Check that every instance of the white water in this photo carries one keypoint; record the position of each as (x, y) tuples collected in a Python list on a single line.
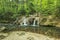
[(34, 23), (24, 21)]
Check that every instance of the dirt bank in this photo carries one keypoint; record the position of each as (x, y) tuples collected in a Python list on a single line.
[(20, 35)]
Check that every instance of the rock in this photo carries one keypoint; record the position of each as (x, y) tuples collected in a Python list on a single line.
[(2, 28), (27, 36), (3, 35)]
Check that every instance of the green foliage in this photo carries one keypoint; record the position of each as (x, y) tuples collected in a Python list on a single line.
[(10, 9)]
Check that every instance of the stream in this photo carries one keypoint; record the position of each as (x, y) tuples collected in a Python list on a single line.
[(42, 29)]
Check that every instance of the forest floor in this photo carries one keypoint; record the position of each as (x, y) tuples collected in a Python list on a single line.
[(22, 35)]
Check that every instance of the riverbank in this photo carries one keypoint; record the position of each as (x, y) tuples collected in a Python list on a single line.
[(22, 35), (45, 30)]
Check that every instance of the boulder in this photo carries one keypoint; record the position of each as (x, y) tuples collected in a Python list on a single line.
[(2, 28)]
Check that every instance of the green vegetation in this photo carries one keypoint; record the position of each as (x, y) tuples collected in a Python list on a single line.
[(11, 9)]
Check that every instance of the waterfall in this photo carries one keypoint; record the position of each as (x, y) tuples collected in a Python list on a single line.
[(34, 23), (24, 21)]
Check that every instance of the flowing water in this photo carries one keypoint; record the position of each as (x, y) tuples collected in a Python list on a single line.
[(25, 21), (47, 30), (34, 23)]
